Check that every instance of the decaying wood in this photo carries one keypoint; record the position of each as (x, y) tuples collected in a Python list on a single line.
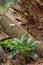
[(10, 26), (3, 35)]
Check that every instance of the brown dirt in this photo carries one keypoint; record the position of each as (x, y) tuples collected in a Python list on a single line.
[(35, 29), (20, 61), (39, 62)]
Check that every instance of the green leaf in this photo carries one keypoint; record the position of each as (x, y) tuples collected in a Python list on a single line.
[(2, 44), (33, 56), (16, 40), (23, 38), (11, 55), (10, 47), (14, 43), (33, 48), (29, 49), (33, 44), (29, 41), (17, 46)]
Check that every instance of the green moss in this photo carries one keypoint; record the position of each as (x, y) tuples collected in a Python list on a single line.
[(5, 7)]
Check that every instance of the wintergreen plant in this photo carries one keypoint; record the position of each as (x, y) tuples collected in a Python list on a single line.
[(16, 44)]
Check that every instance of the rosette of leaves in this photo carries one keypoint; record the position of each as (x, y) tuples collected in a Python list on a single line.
[(20, 46)]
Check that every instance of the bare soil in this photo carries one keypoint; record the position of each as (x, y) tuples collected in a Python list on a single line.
[(35, 29)]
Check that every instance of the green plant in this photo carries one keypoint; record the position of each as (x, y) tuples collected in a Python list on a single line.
[(5, 7), (16, 44)]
